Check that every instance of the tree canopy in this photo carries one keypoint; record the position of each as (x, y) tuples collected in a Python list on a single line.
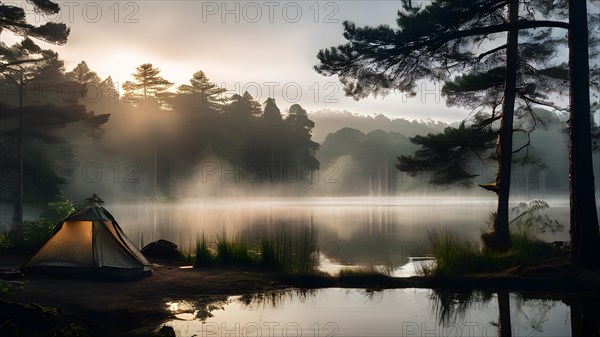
[(14, 19), (147, 83)]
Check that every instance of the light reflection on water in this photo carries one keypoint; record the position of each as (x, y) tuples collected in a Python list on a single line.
[(350, 231), (395, 312)]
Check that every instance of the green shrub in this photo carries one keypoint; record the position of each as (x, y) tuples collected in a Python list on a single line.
[(4, 242), (530, 219), (37, 231)]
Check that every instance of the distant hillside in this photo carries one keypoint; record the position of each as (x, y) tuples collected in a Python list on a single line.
[(365, 164), (330, 121)]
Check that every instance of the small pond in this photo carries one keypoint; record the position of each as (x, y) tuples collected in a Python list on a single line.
[(394, 312)]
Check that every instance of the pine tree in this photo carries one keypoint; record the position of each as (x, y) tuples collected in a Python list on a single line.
[(433, 43), (208, 92), (271, 112), (14, 19), (243, 106), (109, 89), (304, 149), (585, 236), (147, 83), (82, 74)]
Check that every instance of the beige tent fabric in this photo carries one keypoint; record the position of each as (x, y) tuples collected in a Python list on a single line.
[(71, 246), (108, 249), (128, 244), (90, 237)]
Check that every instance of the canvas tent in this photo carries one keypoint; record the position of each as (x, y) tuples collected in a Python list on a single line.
[(89, 238)]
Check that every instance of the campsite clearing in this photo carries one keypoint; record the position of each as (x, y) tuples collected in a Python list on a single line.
[(112, 308)]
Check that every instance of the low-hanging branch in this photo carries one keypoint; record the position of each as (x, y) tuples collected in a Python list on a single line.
[(444, 37)]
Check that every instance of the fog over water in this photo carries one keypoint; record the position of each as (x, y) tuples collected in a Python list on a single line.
[(350, 231)]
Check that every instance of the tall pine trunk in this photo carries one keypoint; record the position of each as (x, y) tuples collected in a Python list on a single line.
[(504, 325), (584, 317), (499, 237), (18, 205), (585, 237)]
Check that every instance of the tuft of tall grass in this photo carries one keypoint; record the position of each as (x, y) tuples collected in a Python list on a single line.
[(270, 255), (204, 256), (369, 270), (233, 253), (455, 256), (289, 249)]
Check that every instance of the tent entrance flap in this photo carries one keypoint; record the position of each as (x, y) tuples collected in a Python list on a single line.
[(108, 249)]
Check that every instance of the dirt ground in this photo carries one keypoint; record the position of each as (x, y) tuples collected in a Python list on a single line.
[(112, 307)]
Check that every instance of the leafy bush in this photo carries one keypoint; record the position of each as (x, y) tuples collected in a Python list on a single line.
[(59, 209), (4, 242), (529, 218), (37, 231)]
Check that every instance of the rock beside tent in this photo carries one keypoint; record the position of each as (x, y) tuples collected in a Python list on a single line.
[(162, 250)]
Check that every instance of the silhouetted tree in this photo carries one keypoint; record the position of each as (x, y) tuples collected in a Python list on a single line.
[(51, 71), (14, 19), (271, 112), (301, 128), (243, 106), (42, 132), (585, 235), (584, 317), (449, 154), (204, 91), (109, 89), (82, 74), (22, 63), (43, 67), (433, 43), (299, 122), (269, 142), (147, 82)]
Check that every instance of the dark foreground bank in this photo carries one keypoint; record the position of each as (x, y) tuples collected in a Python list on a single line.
[(81, 306)]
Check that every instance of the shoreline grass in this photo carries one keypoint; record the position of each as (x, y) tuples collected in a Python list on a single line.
[(364, 271), (295, 253), (455, 257)]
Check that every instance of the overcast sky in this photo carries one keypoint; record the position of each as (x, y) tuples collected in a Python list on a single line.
[(266, 47)]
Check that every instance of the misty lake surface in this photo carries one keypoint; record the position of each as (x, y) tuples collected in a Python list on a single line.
[(352, 312), (380, 231)]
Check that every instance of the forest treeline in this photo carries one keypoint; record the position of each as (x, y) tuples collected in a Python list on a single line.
[(83, 130), (151, 138)]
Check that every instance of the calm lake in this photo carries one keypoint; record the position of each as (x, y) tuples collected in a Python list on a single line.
[(349, 231), (394, 312)]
